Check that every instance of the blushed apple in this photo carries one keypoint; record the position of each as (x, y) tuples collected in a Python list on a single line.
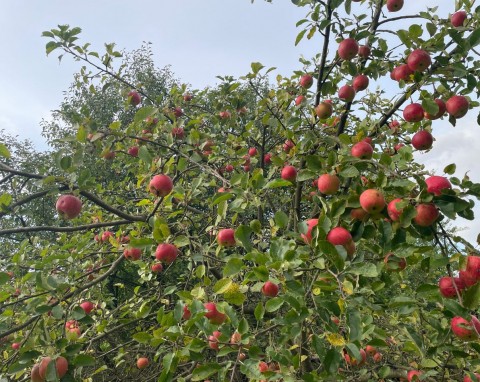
[(166, 253), (134, 98), (289, 173), (226, 237), (419, 60), (161, 185), (458, 19), (362, 150), (348, 49), (435, 184), (427, 214), (270, 289), (306, 81), (422, 140), (360, 82), (346, 93), (372, 201), (324, 110), (311, 223), (328, 184), (457, 106), (413, 112), (68, 206)]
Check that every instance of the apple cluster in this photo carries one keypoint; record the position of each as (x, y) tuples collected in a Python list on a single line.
[(39, 370), (451, 287)]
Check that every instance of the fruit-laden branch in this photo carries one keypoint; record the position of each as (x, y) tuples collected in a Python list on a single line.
[(63, 229), (77, 290), (29, 198)]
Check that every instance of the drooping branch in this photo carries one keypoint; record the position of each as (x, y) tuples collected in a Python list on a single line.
[(84, 227)]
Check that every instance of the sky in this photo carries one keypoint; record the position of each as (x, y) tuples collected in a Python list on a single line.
[(199, 39)]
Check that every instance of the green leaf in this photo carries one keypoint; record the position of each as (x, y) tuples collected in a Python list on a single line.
[(232, 267), (471, 297), (300, 36), (474, 38), (349, 172), (242, 234), (4, 151), (278, 183), (202, 372), (256, 67), (142, 337), (259, 312), (4, 277), (84, 360), (355, 324), (450, 169), (143, 113), (274, 304), (364, 269), (221, 286), (281, 219)]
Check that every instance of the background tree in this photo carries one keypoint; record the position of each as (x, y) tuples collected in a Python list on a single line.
[(249, 231)]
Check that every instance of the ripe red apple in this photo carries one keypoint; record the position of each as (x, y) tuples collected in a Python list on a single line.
[(133, 151), (346, 93), (267, 158), (270, 289), (142, 363), (311, 223), (435, 184), (263, 367), (132, 253), (161, 185), (442, 108), (348, 49), (358, 214), (394, 5), (35, 374), (473, 266), (72, 329), (61, 366), (364, 51), (306, 81), (226, 237), (463, 329), (289, 173), (392, 210), (427, 213), (68, 206), (394, 263), (252, 151), (324, 110), (360, 82), (372, 201), (157, 267), (229, 168), (467, 277), (328, 184), (213, 314), (402, 73), (166, 253), (413, 375), (16, 345), (225, 114), (394, 126), (134, 98), (186, 313), (377, 357), (213, 340), (413, 112), (362, 150), (106, 235), (398, 146), (300, 100), (339, 236), (419, 60), (178, 133), (458, 18), (371, 350), (288, 145), (87, 306), (468, 379), (422, 140), (447, 286), (457, 106)]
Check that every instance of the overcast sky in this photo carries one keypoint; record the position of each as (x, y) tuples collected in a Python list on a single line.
[(200, 39)]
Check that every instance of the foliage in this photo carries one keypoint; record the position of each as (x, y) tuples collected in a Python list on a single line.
[(333, 302)]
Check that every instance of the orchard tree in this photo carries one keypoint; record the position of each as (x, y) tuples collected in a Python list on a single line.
[(250, 232)]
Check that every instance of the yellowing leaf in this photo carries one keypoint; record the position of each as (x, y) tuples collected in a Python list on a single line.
[(335, 339), (348, 287)]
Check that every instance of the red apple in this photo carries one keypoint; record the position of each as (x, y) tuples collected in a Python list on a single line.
[(166, 253), (413, 112), (358, 214), (87, 306), (186, 313), (106, 235), (457, 106), (346, 93), (442, 108), (348, 49), (311, 223), (267, 158), (458, 18), (263, 367), (289, 173), (35, 374), (328, 184), (229, 168), (422, 140), (300, 100), (178, 133), (419, 60), (213, 314), (413, 375), (213, 340), (142, 363), (447, 286), (324, 110), (468, 278), (288, 145), (132, 253), (435, 184), (394, 126), (161, 185), (360, 82), (372, 201), (157, 267), (463, 329), (394, 5), (377, 357), (306, 81), (72, 329), (226, 237), (61, 364), (187, 97), (225, 114), (68, 206), (16, 345), (134, 98), (370, 350), (394, 263), (364, 51), (270, 289), (392, 210), (398, 146), (252, 151), (362, 150), (339, 236), (473, 266), (235, 338), (133, 151), (427, 213), (468, 379)]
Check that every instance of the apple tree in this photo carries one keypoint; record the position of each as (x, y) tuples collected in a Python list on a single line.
[(251, 231)]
